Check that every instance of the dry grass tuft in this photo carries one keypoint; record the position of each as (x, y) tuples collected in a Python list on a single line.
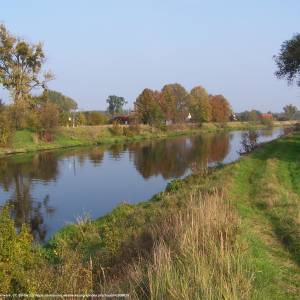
[(195, 256)]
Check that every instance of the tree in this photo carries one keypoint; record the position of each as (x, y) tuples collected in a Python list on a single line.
[(147, 107), (288, 60), (48, 119), (43, 116), (199, 105), (254, 115), (174, 102), (220, 108), (95, 118), (115, 104), (20, 65), (289, 111), (64, 103)]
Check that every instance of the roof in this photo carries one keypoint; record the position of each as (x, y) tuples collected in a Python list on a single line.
[(267, 116)]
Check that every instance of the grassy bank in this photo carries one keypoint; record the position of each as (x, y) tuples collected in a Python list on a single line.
[(228, 233), (27, 141)]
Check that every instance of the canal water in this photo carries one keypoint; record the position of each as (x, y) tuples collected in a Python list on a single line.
[(52, 188)]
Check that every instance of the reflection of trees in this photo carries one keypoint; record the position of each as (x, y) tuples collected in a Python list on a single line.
[(116, 150), (172, 158), (265, 132), (96, 156), (218, 147), (169, 158), (18, 174)]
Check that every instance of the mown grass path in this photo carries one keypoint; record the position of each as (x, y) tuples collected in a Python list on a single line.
[(265, 187)]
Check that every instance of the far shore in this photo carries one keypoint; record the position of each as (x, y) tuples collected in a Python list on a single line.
[(26, 141)]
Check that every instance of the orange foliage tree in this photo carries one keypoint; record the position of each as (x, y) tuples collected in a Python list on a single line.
[(220, 108)]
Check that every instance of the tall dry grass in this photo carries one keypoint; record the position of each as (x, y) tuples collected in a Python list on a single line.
[(196, 255)]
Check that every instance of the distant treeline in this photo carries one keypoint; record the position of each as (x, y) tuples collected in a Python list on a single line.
[(174, 104)]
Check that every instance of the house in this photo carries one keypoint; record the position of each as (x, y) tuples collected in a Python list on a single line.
[(124, 119), (268, 116)]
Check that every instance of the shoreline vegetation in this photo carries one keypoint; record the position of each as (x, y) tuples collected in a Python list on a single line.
[(24, 141), (231, 232)]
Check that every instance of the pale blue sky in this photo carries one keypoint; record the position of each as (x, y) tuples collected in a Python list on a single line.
[(97, 48)]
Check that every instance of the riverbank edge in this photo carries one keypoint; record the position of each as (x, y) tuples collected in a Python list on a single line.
[(69, 142), (269, 266)]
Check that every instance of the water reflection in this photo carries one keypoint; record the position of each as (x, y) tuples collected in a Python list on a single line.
[(47, 189), (17, 176), (172, 158)]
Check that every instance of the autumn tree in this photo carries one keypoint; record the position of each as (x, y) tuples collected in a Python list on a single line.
[(200, 106), (147, 107), (115, 104), (20, 65), (174, 102), (43, 117), (288, 60), (289, 111), (220, 108)]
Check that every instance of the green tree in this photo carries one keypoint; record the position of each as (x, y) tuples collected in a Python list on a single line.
[(174, 102), (254, 115), (289, 111), (147, 107), (199, 105), (95, 118), (64, 103), (20, 65), (288, 60), (115, 104)]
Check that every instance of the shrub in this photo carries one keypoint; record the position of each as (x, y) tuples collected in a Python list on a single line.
[(174, 185), (116, 129), (19, 260), (44, 120), (297, 126), (249, 141), (132, 129), (162, 127), (6, 128)]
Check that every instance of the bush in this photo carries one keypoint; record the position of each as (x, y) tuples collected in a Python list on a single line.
[(18, 259), (132, 130), (116, 129), (46, 120), (174, 185), (162, 127), (95, 118), (6, 128), (249, 141), (297, 127)]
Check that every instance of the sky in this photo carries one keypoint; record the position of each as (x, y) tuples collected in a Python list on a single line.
[(99, 48)]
